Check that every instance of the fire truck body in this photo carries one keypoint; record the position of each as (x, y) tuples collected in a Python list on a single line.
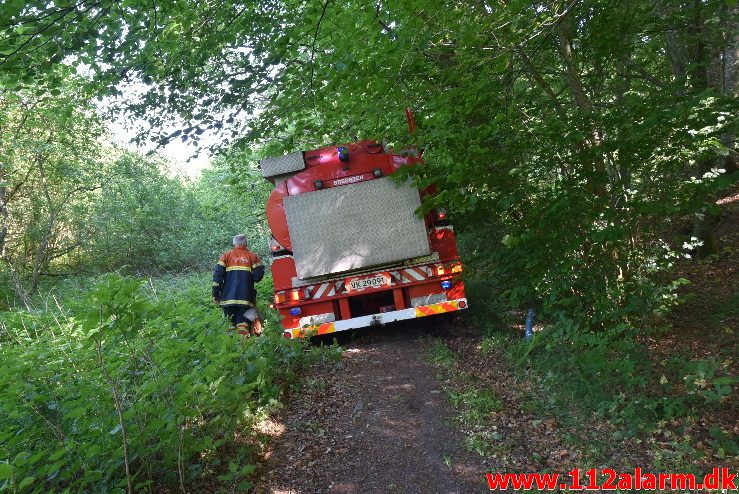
[(348, 250)]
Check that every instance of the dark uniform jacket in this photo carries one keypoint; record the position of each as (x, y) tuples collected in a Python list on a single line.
[(234, 277)]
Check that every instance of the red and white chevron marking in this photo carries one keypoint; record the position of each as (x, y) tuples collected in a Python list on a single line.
[(406, 275), (326, 289), (411, 275)]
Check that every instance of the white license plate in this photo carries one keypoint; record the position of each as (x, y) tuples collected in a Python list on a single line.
[(370, 282)]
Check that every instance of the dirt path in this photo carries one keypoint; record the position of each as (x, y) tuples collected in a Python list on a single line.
[(377, 422)]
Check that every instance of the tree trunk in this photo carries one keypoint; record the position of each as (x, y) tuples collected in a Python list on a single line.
[(701, 79), (731, 52), (39, 260), (703, 59), (40, 255), (675, 43), (595, 170), (4, 214), (731, 78)]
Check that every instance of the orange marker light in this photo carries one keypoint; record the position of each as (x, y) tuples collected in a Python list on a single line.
[(440, 271)]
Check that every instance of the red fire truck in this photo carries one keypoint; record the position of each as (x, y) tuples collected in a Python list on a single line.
[(348, 249)]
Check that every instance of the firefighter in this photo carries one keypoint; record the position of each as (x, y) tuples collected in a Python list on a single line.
[(233, 287)]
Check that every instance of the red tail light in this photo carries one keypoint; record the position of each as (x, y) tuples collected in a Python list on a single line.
[(274, 245)]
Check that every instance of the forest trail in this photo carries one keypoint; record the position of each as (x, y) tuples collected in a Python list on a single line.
[(375, 423)]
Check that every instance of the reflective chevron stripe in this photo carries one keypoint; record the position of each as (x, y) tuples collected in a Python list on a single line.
[(338, 285), (374, 319), (320, 290), (415, 274), (440, 308), (406, 275), (411, 275), (325, 328), (325, 289)]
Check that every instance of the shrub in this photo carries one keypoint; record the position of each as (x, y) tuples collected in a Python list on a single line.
[(135, 388)]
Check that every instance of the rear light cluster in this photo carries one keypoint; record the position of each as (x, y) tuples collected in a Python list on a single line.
[(292, 296), (446, 269), (275, 246)]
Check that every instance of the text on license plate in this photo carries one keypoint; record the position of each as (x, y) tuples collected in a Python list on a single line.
[(362, 283)]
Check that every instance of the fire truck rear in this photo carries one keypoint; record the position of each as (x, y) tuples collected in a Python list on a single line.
[(348, 249)]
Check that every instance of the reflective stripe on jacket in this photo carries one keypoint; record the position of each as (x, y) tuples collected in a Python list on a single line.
[(234, 277)]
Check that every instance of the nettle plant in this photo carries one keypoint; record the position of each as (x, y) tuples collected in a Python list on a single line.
[(132, 394)]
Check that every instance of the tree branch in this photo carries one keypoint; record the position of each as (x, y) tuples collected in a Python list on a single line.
[(313, 47)]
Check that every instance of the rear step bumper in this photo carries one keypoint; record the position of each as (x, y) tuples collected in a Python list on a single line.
[(378, 319)]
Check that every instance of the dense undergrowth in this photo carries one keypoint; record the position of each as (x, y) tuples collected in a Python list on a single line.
[(133, 385), (614, 375)]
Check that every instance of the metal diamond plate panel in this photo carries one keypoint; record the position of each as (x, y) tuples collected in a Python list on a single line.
[(355, 226), (293, 162)]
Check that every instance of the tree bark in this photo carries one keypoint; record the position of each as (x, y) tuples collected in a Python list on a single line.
[(730, 58), (596, 170), (731, 52), (564, 36), (4, 213), (675, 46)]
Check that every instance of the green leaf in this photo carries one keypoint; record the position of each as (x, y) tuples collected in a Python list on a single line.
[(6, 471), (77, 412), (26, 482), (724, 380), (57, 454), (92, 451), (54, 467), (35, 458)]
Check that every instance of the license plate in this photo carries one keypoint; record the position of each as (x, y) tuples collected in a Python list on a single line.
[(355, 284)]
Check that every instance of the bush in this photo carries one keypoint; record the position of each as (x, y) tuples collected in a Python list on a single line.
[(152, 385), (605, 372)]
